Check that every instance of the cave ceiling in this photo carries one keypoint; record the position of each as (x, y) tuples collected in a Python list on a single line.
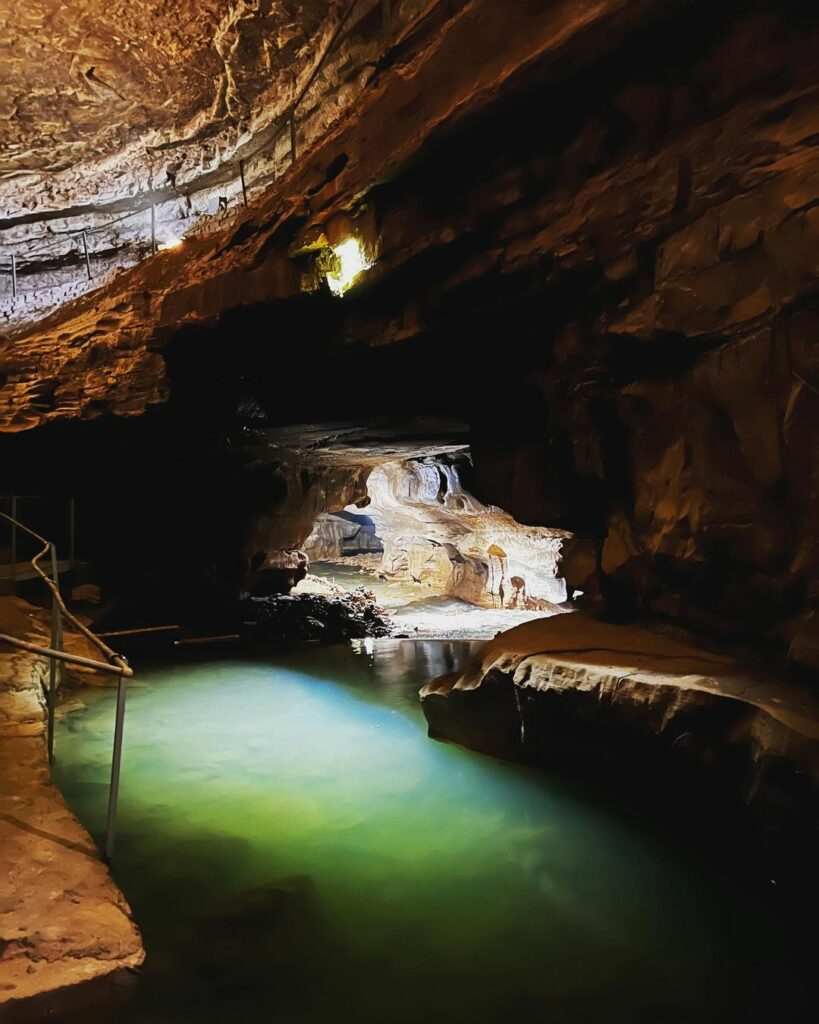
[(361, 443), (131, 88)]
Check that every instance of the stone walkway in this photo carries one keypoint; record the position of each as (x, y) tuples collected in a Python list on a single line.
[(62, 919)]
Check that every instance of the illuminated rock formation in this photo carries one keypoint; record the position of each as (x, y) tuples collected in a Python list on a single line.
[(437, 533), (570, 690)]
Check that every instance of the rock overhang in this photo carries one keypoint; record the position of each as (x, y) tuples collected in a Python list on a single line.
[(100, 97), (362, 443)]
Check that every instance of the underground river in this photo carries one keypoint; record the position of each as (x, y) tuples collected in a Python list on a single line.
[(296, 849)]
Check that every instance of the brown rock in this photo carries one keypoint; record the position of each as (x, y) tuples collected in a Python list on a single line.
[(571, 688), (62, 920)]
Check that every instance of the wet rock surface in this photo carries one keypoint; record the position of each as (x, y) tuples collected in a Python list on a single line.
[(346, 615)]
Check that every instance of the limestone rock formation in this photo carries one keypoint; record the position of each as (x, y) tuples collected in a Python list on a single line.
[(574, 690), (302, 478), (340, 535), (621, 306), (436, 532)]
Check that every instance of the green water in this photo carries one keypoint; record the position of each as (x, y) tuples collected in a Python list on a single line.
[(296, 849)]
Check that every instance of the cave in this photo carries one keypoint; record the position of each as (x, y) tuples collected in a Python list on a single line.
[(409, 511), (443, 564)]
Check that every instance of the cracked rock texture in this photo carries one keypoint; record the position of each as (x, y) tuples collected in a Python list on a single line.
[(109, 94), (62, 919)]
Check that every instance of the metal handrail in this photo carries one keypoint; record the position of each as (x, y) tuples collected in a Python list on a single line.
[(68, 658), (116, 665)]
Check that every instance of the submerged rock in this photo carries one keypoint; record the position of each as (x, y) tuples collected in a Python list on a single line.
[(334, 619)]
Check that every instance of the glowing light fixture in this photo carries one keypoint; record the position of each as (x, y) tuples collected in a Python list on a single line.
[(170, 243), (348, 263)]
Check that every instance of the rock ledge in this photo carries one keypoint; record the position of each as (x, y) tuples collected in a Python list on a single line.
[(573, 688), (62, 919)]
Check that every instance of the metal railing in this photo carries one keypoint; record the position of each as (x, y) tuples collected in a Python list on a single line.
[(226, 186), (58, 657)]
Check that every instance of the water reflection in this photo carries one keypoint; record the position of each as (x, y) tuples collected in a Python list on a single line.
[(400, 663), (296, 849)]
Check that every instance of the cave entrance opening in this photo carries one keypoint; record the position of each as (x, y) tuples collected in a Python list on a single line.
[(437, 561)]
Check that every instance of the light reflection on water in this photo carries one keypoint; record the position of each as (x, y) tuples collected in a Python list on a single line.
[(296, 849)]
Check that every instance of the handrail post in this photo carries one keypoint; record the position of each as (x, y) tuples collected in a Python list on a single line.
[(54, 670), (116, 761), (84, 235), (85, 250), (13, 276), (242, 179)]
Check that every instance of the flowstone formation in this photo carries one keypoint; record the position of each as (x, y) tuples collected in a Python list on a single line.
[(435, 532)]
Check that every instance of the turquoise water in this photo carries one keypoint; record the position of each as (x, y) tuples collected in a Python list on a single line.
[(296, 849)]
